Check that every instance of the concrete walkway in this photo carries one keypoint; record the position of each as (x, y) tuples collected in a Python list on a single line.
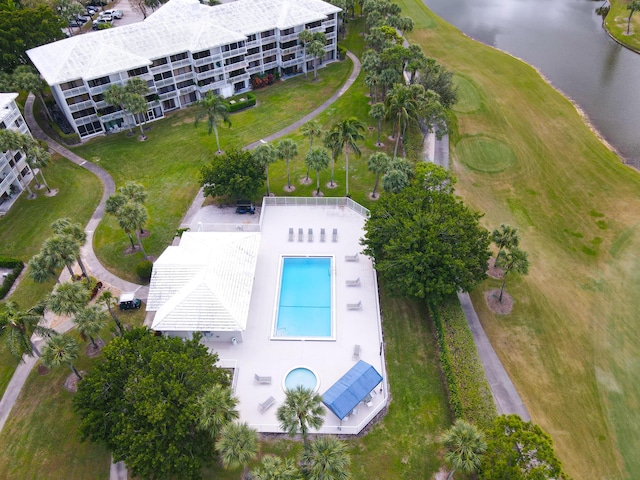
[(504, 392)]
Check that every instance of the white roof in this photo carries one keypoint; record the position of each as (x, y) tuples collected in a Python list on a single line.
[(205, 283), (5, 104), (178, 26)]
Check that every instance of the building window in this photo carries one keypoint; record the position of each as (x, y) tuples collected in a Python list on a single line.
[(182, 70), (290, 44), (108, 110), (98, 98), (70, 85), (203, 54), (84, 113), (232, 60), (206, 81), (251, 38), (330, 29), (232, 46), (160, 76), (89, 128), (167, 89), (99, 81), (2, 126), (288, 31), (18, 123), (186, 83), (178, 57), (253, 50), (286, 58), (270, 59), (169, 104), (138, 71), (80, 98), (17, 157), (331, 17), (204, 68), (237, 73), (24, 172), (12, 163), (268, 33), (159, 61), (313, 24), (269, 46)]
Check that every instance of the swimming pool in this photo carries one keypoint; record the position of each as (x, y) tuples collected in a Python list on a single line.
[(302, 376), (304, 300)]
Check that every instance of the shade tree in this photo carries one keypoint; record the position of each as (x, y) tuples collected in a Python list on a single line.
[(437, 78), (235, 174)]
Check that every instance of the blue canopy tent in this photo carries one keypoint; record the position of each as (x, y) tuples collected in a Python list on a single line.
[(351, 389)]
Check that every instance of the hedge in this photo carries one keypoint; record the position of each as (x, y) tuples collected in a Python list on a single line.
[(16, 266), (239, 103), (469, 393)]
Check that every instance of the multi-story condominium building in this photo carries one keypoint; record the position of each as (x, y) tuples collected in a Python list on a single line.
[(182, 51), (15, 173)]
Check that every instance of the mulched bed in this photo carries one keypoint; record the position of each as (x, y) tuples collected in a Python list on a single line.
[(493, 271), (71, 383), (501, 308), (93, 351), (42, 370)]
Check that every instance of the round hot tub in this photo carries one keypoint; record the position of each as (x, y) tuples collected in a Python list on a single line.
[(301, 376)]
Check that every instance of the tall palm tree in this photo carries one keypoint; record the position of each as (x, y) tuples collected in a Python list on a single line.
[(68, 299), (513, 260), (265, 155), (116, 95), (301, 410), (327, 458), (505, 237), (131, 216), (216, 110), (217, 407), (402, 107), (62, 249), (18, 326), (347, 134), (41, 268), (465, 445), (318, 159), (238, 445), (316, 50), (378, 163), (276, 468), (61, 350), (311, 129), (305, 37), (286, 150), (331, 142), (378, 112), (89, 321), (634, 6), (137, 105), (64, 226), (108, 300)]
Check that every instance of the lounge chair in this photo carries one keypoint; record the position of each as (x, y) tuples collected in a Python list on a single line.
[(351, 258), (356, 352), (354, 306), (300, 235), (291, 234), (264, 406), (260, 379), (335, 235), (322, 234), (310, 235), (353, 283)]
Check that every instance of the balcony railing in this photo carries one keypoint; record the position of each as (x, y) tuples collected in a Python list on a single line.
[(74, 92), (80, 105)]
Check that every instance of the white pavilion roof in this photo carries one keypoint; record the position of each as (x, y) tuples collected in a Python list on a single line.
[(5, 103), (178, 26), (205, 283)]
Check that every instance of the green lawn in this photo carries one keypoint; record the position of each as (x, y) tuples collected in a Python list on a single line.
[(616, 23), (570, 341)]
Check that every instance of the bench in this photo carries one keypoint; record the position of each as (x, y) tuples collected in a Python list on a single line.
[(322, 234), (291, 234), (356, 352), (354, 306), (310, 235), (264, 406), (351, 258), (353, 283), (300, 235), (260, 379), (335, 235)]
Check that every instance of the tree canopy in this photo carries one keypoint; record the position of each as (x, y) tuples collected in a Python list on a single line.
[(141, 402), (518, 450), (425, 242), (236, 174)]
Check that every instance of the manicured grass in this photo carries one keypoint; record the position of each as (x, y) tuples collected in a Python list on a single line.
[(485, 154), (468, 97), (616, 24), (570, 340)]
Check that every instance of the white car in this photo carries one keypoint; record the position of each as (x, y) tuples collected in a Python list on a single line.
[(117, 14)]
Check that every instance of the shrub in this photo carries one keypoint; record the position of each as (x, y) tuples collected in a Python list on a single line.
[(469, 392), (240, 102), (144, 269), (16, 265)]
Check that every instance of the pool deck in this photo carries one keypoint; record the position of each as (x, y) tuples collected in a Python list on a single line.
[(330, 359)]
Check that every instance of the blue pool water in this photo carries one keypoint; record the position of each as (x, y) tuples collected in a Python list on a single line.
[(304, 306), (301, 376)]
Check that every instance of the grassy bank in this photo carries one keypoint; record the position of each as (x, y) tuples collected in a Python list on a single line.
[(568, 343), (616, 24)]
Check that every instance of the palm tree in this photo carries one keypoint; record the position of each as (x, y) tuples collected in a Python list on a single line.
[(18, 326), (265, 155), (327, 458), (311, 129), (316, 50), (276, 468), (215, 109), (318, 159), (378, 163), (347, 133), (505, 237), (301, 410), (394, 180), (116, 95), (61, 350), (403, 107), (41, 268), (465, 445), (378, 112), (131, 216), (372, 80), (305, 37), (63, 226), (331, 142), (108, 300), (634, 6), (26, 79), (89, 321), (286, 150), (137, 105), (62, 250), (514, 260), (238, 445), (217, 407), (68, 299)]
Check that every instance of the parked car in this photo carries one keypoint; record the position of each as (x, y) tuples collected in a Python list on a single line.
[(128, 301), (117, 14), (100, 21), (91, 10), (245, 206), (105, 16), (75, 23), (82, 19)]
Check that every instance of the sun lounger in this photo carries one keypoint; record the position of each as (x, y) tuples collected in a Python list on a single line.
[(310, 235), (264, 406), (322, 234), (291, 234), (260, 379), (351, 258), (300, 235), (335, 235), (354, 306), (353, 283), (356, 352)]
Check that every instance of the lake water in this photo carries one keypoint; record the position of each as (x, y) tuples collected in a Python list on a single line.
[(565, 40)]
